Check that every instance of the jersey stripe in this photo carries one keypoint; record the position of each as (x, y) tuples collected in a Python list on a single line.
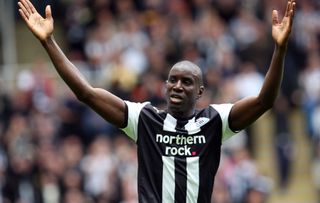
[(180, 179), (168, 179), (169, 123), (192, 179), (191, 127)]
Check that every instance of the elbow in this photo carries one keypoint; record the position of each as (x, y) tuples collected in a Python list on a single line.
[(267, 100), (266, 104), (84, 96)]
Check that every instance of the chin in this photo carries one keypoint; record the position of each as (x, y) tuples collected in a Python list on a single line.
[(177, 109), (175, 104), (174, 107)]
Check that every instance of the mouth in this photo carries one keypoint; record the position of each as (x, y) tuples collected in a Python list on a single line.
[(174, 98)]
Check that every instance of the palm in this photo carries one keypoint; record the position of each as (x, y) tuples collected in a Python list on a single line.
[(280, 32), (41, 27)]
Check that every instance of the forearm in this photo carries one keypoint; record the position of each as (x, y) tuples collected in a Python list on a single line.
[(109, 106), (273, 79), (68, 72), (247, 110)]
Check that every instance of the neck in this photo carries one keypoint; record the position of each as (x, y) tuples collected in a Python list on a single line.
[(181, 114)]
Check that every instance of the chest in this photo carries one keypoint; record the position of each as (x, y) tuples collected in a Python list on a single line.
[(166, 136)]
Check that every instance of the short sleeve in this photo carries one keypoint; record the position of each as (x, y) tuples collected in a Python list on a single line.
[(132, 116), (224, 112)]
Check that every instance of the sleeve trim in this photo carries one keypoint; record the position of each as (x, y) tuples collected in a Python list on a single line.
[(125, 124)]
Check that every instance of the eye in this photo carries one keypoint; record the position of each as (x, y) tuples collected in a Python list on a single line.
[(172, 80), (187, 81)]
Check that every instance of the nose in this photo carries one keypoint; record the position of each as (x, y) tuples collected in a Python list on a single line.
[(178, 85)]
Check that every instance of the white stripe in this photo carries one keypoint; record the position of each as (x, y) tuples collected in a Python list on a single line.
[(192, 179), (134, 110), (169, 123), (191, 127), (224, 112), (168, 179)]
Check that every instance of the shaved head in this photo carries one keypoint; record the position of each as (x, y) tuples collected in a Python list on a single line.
[(189, 66), (184, 87)]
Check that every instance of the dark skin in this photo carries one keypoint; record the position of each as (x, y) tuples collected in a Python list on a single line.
[(184, 85)]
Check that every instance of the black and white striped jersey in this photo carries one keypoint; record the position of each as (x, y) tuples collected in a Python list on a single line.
[(177, 159)]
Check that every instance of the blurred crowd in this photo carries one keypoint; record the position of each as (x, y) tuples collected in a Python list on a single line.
[(54, 149)]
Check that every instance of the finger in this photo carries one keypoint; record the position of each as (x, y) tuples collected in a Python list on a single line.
[(23, 9), (275, 18), (293, 8), (289, 6), (292, 13), (32, 8), (293, 4), (27, 7), (23, 15), (48, 12)]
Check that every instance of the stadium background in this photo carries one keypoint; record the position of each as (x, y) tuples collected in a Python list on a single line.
[(54, 149)]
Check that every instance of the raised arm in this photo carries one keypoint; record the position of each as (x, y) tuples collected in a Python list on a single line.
[(110, 107), (247, 110)]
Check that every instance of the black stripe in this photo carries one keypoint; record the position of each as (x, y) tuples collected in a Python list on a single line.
[(180, 193), (180, 127), (126, 115)]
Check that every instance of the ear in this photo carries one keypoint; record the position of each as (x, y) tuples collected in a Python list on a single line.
[(201, 90)]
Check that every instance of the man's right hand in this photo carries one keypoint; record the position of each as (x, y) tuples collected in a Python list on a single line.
[(41, 27)]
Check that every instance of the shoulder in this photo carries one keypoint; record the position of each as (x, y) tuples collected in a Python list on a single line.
[(135, 109), (221, 108), (214, 110)]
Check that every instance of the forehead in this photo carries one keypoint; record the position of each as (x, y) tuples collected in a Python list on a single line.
[(185, 71)]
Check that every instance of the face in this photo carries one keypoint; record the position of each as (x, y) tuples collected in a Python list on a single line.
[(183, 89)]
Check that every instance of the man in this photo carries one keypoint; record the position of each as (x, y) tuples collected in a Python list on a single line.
[(179, 147)]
